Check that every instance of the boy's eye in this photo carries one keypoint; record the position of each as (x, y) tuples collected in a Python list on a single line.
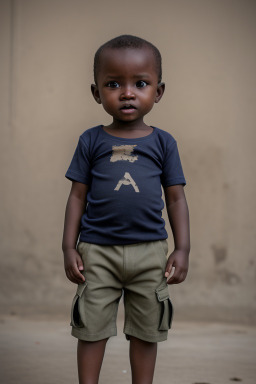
[(113, 84), (141, 84)]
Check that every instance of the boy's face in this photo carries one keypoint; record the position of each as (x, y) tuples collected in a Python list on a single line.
[(127, 83)]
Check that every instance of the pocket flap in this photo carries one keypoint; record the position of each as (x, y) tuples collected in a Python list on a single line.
[(162, 293), (80, 289)]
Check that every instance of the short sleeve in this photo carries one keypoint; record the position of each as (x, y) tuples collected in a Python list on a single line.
[(79, 169), (172, 170)]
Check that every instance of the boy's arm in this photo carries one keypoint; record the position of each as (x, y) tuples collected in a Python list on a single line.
[(177, 210), (75, 207)]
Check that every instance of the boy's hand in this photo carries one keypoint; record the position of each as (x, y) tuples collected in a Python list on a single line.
[(179, 261), (73, 265)]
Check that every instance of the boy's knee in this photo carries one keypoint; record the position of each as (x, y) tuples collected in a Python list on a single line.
[(85, 344), (135, 340)]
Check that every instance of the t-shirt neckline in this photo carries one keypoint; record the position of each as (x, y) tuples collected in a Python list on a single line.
[(112, 137)]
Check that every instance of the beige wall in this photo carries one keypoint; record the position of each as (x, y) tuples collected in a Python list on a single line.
[(209, 61)]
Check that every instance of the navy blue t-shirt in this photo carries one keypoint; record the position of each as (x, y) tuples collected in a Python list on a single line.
[(124, 200)]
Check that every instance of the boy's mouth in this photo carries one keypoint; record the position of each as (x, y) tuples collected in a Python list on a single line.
[(127, 107)]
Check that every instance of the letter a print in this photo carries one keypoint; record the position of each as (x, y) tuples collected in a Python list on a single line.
[(127, 180)]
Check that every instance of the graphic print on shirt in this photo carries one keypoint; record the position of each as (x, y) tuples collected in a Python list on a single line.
[(124, 153), (127, 180)]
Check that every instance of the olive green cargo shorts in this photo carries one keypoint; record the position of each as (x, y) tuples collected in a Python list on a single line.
[(137, 272)]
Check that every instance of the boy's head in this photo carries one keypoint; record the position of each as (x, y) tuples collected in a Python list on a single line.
[(127, 72), (128, 42)]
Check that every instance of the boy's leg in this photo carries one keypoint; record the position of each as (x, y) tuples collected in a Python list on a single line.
[(142, 358), (89, 360)]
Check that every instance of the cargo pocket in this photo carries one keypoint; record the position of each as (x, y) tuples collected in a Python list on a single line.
[(162, 294), (76, 307)]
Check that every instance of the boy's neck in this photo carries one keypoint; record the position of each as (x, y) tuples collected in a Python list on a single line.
[(132, 130)]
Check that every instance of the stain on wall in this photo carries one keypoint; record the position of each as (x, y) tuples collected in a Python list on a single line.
[(219, 253)]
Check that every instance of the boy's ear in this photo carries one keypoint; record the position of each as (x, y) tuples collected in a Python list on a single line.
[(159, 92), (95, 93)]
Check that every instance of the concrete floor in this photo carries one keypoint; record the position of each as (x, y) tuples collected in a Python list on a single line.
[(42, 351)]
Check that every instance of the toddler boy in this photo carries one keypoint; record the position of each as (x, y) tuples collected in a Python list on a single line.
[(115, 209)]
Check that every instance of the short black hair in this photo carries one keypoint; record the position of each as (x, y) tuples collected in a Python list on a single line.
[(127, 41)]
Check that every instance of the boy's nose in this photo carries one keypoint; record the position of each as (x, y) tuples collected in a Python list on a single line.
[(127, 94)]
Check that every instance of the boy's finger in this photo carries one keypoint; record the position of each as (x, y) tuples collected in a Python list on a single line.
[(71, 276), (175, 277), (178, 278), (169, 270), (183, 276), (80, 264), (74, 275), (78, 275)]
